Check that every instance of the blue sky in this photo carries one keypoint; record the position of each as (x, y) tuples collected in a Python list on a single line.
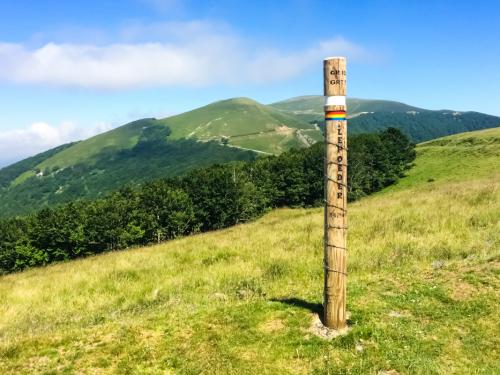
[(71, 69)]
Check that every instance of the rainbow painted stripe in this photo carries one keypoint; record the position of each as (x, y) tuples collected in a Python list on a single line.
[(335, 115)]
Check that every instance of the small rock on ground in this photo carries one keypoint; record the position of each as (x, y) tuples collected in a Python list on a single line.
[(220, 296), (437, 264), (395, 314), (318, 329)]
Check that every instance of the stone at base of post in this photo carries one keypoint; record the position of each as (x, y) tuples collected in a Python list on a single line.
[(320, 330)]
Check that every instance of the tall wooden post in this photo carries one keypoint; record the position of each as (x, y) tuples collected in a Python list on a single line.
[(335, 237)]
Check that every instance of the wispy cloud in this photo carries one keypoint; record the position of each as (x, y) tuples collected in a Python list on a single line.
[(188, 54), (40, 136)]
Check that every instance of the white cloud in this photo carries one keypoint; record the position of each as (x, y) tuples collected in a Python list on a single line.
[(188, 54), (40, 136)]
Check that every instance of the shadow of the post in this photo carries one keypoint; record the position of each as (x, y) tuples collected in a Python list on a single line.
[(315, 308)]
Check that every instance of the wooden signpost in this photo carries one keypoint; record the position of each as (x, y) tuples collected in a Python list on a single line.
[(335, 166)]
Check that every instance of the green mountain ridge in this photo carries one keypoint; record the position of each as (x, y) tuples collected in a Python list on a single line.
[(256, 126), (244, 123), (87, 151), (367, 116), (232, 129), (9, 173), (110, 170), (313, 105)]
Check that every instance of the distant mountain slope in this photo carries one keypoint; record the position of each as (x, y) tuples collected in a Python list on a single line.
[(11, 172), (226, 130), (426, 125), (244, 123), (313, 104), (88, 151), (366, 116), (234, 129), (110, 170), (230, 117)]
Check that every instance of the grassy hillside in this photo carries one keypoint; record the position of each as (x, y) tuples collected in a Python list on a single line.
[(245, 122), (242, 118), (98, 165), (423, 289), (222, 131), (460, 157), (112, 170), (368, 116), (11, 172), (88, 151)]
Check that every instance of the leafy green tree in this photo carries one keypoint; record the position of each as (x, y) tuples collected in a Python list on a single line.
[(289, 179), (168, 211), (215, 194), (13, 232), (114, 222), (27, 255), (51, 234)]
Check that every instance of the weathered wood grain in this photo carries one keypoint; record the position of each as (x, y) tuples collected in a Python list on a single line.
[(335, 248)]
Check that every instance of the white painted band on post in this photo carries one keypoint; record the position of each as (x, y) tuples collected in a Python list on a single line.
[(334, 100), (334, 58)]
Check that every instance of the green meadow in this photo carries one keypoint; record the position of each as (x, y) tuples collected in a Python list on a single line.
[(423, 289)]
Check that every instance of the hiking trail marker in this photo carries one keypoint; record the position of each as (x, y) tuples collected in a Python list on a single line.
[(335, 182)]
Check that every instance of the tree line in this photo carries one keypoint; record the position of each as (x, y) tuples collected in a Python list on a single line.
[(205, 199)]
